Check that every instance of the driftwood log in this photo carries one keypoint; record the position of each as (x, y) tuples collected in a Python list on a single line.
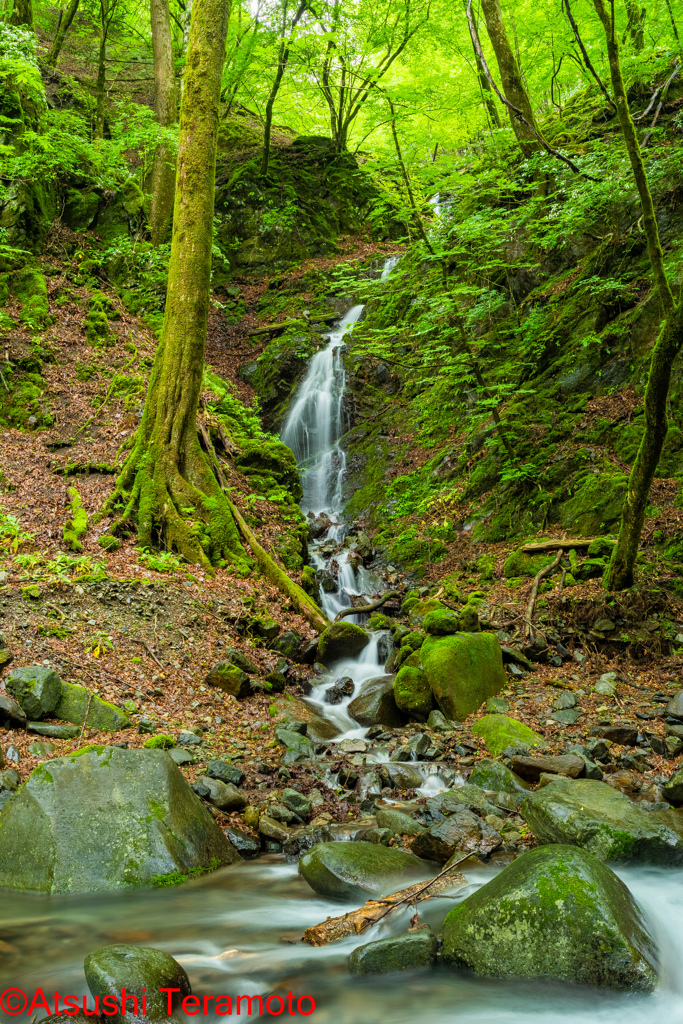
[(554, 545), (363, 609)]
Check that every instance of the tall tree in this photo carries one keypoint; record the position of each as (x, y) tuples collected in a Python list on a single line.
[(165, 107), (22, 13), (282, 61), (487, 94), (620, 571), (65, 19), (108, 9), (511, 78)]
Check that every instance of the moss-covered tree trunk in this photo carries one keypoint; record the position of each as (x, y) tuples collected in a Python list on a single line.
[(171, 493), (22, 13), (620, 571), (487, 94), (60, 35), (511, 78), (165, 107), (101, 73)]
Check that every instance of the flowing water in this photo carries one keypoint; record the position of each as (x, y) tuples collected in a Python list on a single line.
[(235, 931)]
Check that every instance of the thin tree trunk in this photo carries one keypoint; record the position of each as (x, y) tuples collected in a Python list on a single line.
[(172, 495), (101, 81), (636, 24), (283, 58), (22, 13), (672, 19), (511, 78), (487, 95), (406, 178), (619, 574), (165, 107), (60, 35), (584, 52)]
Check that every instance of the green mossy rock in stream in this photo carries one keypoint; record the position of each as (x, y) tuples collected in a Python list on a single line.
[(400, 823), (107, 818), (341, 640), (499, 732), (353, 871), (494, 777), (463, 670), (138, 969), (376, 704), (75, 701), (396, 953), (598, 818), (36, 689), (412, 693), (555, 912), (441, 622)]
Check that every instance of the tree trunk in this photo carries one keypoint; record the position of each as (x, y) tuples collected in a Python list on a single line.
[(619, 574), (636, 24), (172, 495), (60, 35), (404, 171), (101, 75), (165, 107), (283, 57), (511, 77), (22, 13), (487, 95), (674, 28)]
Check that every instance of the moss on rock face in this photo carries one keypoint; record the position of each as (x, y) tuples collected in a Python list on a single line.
[(499, 732), (75, 701), (412, 693), (29, 287), (76, 526), (441, 622), (555, 912), (36, 689), (397, 953), (463, 670), (341, 640), (140, 970), (341, 871), (596, 503)]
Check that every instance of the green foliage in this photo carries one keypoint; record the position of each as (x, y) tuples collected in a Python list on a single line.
[(77, 525)]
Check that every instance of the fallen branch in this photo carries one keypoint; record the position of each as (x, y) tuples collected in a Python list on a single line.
[(357, 921), (364, 608), (547, 570), (284, 324), (272, 571), (150, 652), (553, 545)]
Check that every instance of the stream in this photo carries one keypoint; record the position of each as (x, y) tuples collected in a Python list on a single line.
[(235, 931)]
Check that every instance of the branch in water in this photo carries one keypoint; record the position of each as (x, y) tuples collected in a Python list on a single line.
[(364, 608)]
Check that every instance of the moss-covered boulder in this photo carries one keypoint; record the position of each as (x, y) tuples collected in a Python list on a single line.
[(29, 287), (396, 953), (441, 622), (36, 689), (376, 704), (229, 678), (412, 693), (555, 912), (499, 732), (494, 777), (139, 970), (598, 818), (107, 818), (75, 701), (417, 610), (595, 504), (269, 464), (341, 640), (463, 670), (352, 871)]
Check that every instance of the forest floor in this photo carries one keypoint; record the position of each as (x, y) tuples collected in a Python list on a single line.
[(129, 632)]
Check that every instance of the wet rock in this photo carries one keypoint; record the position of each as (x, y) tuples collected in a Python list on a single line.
[(463, 671), (297, 747), (230, 679), (224, 795), (245, 844), (462, 832), (138, 969), (352, 871), (10, 709), (513, 926), (36, 689), (401, 776), (401, 824), (354, 746), (531, 767), (412, 693), (499, 732), (303, 839), (396, 953), (226, 772), (341, 640), (675, 706), (598, 818), (378, 835), (57, 732), (103, 819), (340, 689), (318, 727), (437, 722), (273, 829), (75, 701), (289, 644), (375, 704), (672, 791)]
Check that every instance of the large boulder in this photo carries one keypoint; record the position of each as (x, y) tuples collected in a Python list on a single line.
[(412, 693), (499, 732), (36, 689), (353, 871), (375, 704), (555, 912), (397, 953), (341, 640), (593, 815), (75, 702), (141, 970), (106, 818), (463, 670), (462, 832)]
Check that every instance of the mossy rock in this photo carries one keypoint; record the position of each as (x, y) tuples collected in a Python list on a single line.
[(463, 670), (499, 732), (412, 693), (558, 913), (270, 463), (417, 948), (441, 622), (36, 689), (29, 287), (417, 610), (75, 700), (518, 564), (494, 777), (161, 741), (352, 871), (109, 542), (230, 679), (601, 547), (596, 503), (413, 640), (142, 972), (80, 209), (341, 640)]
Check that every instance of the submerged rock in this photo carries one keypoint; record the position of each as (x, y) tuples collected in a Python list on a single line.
[(593, 815), (375, 704), (341, 640), (353, 871), (397, 953), (555, 912), (463, 670), (499, 732), (140, 970), (106, 818)]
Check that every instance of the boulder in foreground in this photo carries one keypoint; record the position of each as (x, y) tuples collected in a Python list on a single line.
[(138, 969), (353, 871)]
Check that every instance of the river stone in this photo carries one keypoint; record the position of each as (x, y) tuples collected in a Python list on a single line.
[(230, 679), (224, 795), (675, 705), (494, 777), (341, 640), (297, 802), (462, 832), (106, 818), (593, 815), (375, 704), (673, 790), (555, 912), (400, 823), (437, 722), (37, 690), (499, 732), (319, 728), (226, 772), (531, 768), (352, 871), (76, 700), (463, 670), (57, 732), (9, 708), (245, 844), (397, 953), (110, 969), (412, 692), (402, 776), (303, 839), (297, 747)]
